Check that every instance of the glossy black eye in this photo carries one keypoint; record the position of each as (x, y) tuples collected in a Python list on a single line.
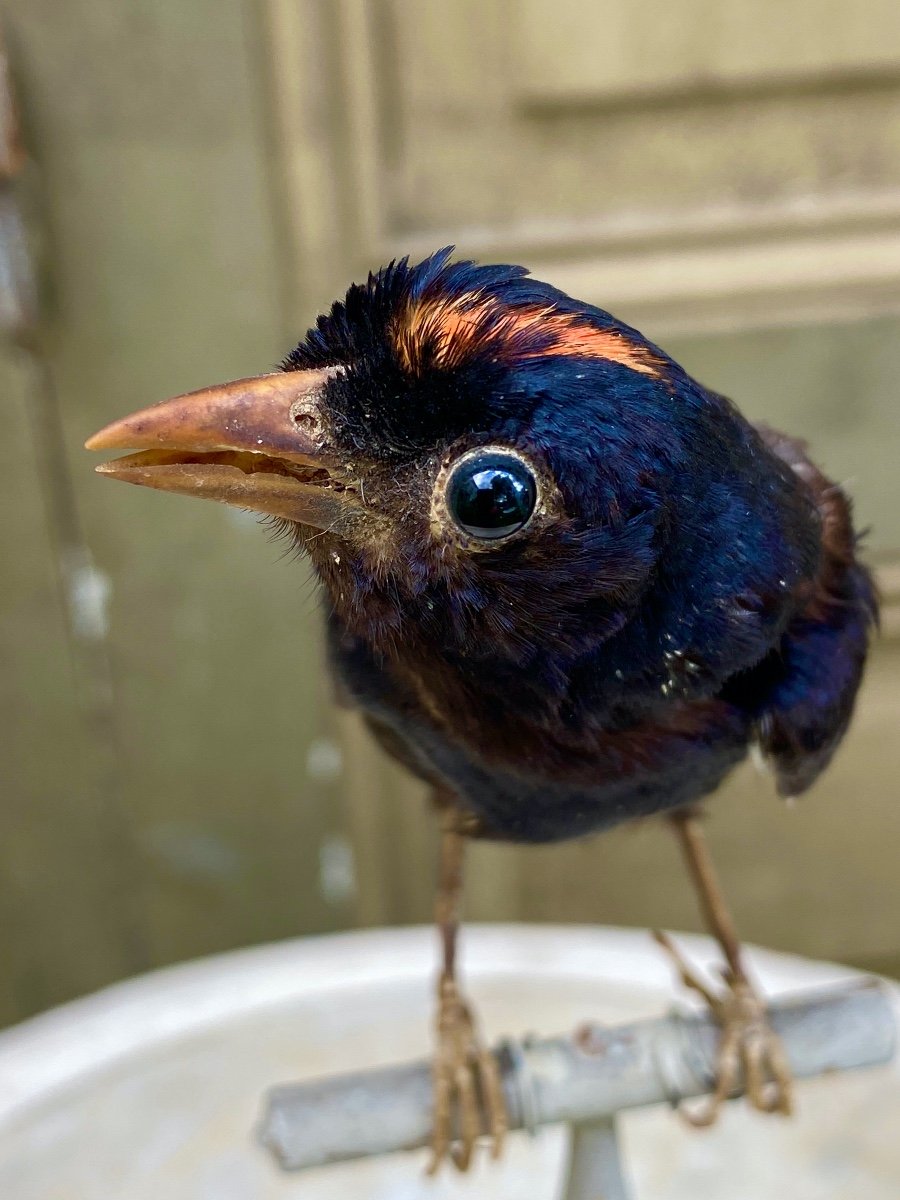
[(491, 495)]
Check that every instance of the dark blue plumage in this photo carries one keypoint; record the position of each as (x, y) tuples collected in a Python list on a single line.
[(692, 587)]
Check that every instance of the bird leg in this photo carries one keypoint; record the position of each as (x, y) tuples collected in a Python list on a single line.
[(468, 1094), (749, 1050)]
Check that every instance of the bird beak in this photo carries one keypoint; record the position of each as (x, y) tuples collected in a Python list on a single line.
[(255, 443)]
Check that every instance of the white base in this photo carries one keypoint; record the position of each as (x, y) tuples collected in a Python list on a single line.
[(152, 1088)]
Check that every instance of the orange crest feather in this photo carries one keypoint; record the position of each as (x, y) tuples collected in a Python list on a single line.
[(445, 332)]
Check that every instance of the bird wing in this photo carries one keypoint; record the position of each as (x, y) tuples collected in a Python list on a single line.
[(808, 688)]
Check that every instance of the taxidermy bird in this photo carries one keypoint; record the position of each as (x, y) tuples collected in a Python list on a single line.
[(568, 586)]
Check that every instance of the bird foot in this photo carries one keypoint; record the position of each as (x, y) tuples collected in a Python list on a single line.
[(749, 1051), (468, 1094)]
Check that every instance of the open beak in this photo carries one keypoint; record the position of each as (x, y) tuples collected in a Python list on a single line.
[(254, 443)]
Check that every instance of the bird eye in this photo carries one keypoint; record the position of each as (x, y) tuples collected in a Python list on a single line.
[(491, 495)]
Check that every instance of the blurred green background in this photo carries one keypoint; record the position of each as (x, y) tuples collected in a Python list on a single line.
[(201, 178)]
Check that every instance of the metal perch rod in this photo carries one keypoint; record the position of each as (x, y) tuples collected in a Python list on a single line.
[(578, 1079)]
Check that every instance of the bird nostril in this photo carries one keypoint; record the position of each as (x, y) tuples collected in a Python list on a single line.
[(306, 421)]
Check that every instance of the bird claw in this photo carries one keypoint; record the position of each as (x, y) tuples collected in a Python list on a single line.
[(749, 1051), (468, 1094)]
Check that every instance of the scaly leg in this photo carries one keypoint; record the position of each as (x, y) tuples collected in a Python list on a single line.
[(748, 1049), (468, 1095)]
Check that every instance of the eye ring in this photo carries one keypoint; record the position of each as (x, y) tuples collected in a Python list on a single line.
[(490, 494)]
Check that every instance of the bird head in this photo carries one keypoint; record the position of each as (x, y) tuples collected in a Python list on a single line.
[(463, 451)]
